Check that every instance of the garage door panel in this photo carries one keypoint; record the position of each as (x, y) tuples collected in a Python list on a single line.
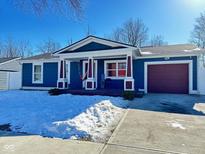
[(168, 78)]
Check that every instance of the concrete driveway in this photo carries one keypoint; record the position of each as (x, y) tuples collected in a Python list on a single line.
[(171, 103), (154, 132), (149, 132)]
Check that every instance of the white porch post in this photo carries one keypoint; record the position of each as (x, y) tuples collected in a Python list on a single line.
[(129, 80), (90, 82), (62, 82)]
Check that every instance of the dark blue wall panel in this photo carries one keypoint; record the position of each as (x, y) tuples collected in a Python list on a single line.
[(138, 69), (75, 75), (50, 75)]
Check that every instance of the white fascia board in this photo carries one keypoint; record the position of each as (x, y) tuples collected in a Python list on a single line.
[(113, 52), (40, 60)]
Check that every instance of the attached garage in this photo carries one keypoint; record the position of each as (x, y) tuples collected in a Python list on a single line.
[(168, 77)]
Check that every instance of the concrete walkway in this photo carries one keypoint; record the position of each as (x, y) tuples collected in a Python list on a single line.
[(148, 132), (39, 145)]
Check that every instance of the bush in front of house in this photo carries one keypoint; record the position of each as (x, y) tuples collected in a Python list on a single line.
[(129, 95), (54, 91)]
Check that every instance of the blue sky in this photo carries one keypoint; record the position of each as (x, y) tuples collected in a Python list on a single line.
[(174, 19)]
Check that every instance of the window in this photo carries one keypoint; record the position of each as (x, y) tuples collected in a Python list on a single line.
[(115, 69), (37, 73)]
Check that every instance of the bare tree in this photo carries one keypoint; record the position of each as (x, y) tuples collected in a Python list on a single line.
[(157, 40), (13, 48), (60, 6), (10, 48), (25, 49), (198, 33), (133, 32), (70, 41), (48, 46)]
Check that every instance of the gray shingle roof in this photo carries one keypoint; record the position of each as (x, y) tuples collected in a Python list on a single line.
[(3, 60), (41, 56), (179, 49)]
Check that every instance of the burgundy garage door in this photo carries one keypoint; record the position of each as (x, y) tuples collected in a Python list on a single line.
[(168, 78)]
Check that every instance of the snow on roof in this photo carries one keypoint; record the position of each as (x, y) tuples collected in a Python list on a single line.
[(179, 49), (41, 56)]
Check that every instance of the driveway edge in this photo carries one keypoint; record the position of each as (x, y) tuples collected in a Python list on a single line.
[(115, 131)]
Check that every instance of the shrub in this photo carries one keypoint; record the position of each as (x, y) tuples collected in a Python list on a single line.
[(128, 95), (54, 91)]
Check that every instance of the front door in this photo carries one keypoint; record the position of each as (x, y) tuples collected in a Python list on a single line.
[(85, 69)]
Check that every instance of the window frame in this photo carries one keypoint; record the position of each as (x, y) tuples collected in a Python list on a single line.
[(117, 69), (33, 73)]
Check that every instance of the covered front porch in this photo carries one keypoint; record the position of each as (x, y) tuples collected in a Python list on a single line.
[(104, 72)]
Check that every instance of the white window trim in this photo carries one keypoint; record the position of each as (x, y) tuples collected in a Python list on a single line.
[(189, 62), (41, 81), (114, 61)]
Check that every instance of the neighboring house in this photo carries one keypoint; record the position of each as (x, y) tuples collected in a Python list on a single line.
[(95, 63), (10, 73)]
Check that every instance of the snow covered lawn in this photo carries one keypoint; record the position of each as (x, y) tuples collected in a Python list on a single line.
[(65, 116)]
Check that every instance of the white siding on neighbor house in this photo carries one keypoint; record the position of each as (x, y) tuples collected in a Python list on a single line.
[(201, 77), (3, 80), (14, 80), (12, 65), (8, 78)]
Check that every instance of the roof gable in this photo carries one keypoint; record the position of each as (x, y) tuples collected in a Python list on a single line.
[(93, 46), (92, 43)]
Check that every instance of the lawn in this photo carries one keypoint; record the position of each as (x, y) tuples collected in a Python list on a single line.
[(65, 116)]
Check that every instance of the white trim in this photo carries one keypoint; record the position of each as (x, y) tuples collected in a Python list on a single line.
[(129, 80), (40, 60), (96, 72), (189, 62), (68, 71), (114, 61), (9, 61), (131, 66), (33, 65), (97, 53), (37, 88)]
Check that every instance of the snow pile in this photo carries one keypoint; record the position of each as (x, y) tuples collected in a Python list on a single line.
[(199, 107), (94, 121), (176, 124), (65, 116)]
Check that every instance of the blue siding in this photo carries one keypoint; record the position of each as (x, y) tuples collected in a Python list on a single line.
[(138, 70), (50, 75), (75, 73)]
